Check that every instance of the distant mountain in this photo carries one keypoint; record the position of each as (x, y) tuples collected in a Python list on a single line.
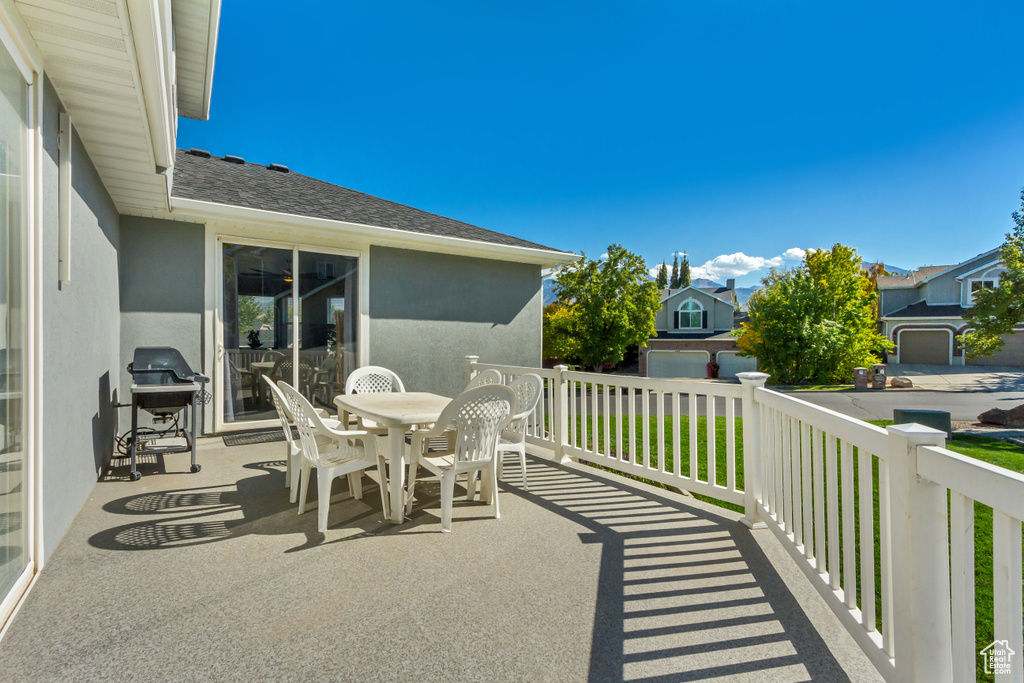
[(704, 282), (893, 270), (548, 289)]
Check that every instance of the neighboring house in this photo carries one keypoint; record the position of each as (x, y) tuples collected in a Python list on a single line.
[(922, 312), (112, 238), (694, 326)]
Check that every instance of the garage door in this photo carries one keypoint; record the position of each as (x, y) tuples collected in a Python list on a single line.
[(670, 364), (1012, 353), (929, 347), (731, 362)]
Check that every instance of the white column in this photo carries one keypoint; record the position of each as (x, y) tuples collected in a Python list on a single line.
[(470, 361), (920, 561), (561, 417), (752, 455)]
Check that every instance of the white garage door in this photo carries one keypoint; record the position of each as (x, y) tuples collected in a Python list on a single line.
[(731, 362), (677, 364)]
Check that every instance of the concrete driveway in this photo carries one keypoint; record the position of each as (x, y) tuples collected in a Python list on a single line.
[(954, 378), (962, 405)]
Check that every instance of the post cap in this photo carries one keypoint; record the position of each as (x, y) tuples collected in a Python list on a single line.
[(918, 433), (752, 377)]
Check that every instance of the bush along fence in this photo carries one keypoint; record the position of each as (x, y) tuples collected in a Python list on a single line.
[(882, 521)]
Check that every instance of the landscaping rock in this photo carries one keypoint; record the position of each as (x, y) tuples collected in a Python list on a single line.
[(900, 383), (1014, 417)]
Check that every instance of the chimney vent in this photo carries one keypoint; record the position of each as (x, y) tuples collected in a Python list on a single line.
[(234, 159), (199, 153), (730, 283), (278, 167)]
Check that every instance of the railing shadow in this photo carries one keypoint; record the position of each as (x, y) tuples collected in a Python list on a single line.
[(683, 593)]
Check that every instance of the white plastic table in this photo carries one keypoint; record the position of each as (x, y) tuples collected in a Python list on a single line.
[(398, 412)]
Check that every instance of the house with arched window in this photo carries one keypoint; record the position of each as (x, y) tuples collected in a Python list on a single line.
[(693, 328)]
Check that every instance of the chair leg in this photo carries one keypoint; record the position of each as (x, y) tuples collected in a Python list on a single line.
[(323, 486), (288, 465), (522, 461), (494, 491), (471, 486), (499, 460), (410, 487), (304, 487), (296, 466), (382, 476), (355, 484), (447, 499)]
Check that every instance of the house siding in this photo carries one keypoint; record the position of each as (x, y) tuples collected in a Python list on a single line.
[(429, 311), (80, 333), (162, 287), (720, 314)]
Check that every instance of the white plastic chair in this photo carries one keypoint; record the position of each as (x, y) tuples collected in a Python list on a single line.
[(483, 378), (527, 389), (346, 452), (479, 415), (293, 461), (373, 379)]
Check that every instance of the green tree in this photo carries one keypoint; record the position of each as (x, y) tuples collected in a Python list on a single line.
[(997, 312), (673, 282), (558, 339), (816, 322), (611, 305), (253, 313), (684, 272), (662, 280)]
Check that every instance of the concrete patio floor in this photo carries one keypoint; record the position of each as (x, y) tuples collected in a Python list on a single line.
[(588, 576)]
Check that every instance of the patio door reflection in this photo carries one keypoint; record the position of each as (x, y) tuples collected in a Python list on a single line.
[(258, 332)]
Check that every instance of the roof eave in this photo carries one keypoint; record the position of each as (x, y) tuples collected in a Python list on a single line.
[(202, 210)]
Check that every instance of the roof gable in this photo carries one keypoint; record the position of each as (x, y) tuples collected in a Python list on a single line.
[(702, 293)]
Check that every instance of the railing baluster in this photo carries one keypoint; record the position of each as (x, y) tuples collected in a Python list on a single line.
[(1006, 579), (767, 457), (632, 424), (832, 499), (645, 430), (583, 415), (571, 387), (794, 444), (818, 448), (867, 539), (593, 418), (677, 455), (607, 417), (849, 535), (885, 557), (692, 426), (961, 556), (787, 472), (805, 487), (660, 396), (730, 443), (619, 424), (709, 423), (781, 440)]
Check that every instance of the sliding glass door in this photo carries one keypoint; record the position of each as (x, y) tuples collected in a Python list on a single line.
[(289, 314)]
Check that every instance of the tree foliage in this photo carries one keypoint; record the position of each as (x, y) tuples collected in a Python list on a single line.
[(684, 273), (673, 282), (816, 322), (662, 280), (604, 307), (998, 311)]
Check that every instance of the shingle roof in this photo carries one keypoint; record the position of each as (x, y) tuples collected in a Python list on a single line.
[(255, 186), (923, 310), (911, 279)]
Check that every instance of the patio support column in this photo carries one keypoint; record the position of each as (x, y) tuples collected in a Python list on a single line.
[(920, 561), (752, 455), (470, 361), (561, 417)]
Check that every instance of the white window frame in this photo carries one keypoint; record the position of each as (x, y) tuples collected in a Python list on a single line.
[(699, 310), (969, 287)]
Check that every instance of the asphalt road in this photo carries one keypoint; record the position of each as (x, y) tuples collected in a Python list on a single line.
[(878, 405)]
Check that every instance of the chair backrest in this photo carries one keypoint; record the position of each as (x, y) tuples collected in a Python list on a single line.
[(373, 379), (281, 406), (478, 416), (527, 389), (307, 421), (271, 355), (483, 378)]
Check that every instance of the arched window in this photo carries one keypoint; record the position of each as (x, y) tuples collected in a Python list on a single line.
[(690, 315)]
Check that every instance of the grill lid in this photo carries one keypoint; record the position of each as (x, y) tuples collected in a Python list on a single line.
[(150, 361)]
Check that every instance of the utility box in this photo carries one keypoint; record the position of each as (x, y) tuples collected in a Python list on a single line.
[(878, 376), (860, 378), (936, 419)]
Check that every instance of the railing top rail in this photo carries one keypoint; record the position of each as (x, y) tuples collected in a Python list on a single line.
[(682, 386), (515, 369), (989, 484), (860, 434)]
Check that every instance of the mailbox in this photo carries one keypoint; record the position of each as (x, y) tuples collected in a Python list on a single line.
[(860, 378), (878, 379)]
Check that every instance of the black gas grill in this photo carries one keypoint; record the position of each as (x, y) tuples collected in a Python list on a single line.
[(164, 385)]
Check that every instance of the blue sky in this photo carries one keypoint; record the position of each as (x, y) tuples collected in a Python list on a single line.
[(737, 129)]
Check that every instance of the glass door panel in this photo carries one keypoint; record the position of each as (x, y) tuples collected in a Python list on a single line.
[(327, 285), (14, 514), (257, 316)]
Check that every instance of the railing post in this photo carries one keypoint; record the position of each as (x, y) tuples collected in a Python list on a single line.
[(470, 360), (561, 416), (922, 637), (752, 456)]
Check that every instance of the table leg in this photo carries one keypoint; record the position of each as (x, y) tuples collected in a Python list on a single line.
[(396, 468)]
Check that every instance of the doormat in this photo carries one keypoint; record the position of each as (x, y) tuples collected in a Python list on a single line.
[(257, 437)]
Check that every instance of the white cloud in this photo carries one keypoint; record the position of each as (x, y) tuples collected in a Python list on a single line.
[(795, 254), (740, 264)]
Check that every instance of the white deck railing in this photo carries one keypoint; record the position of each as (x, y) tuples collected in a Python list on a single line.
[(836, 492)]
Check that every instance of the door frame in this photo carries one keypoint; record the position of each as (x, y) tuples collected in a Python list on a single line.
[(215, 270)]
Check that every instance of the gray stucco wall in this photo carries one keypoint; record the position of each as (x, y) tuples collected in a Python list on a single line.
[(80, 334), (720, 314), (428, 311), (895, 299), (162, 291)]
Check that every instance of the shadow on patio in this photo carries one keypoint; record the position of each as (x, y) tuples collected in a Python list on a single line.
[(587, 576)]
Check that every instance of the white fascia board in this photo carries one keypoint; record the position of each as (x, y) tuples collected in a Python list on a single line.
[(922, 320), (211, 53), (152, 54), (696, 289), (984, 266), (206, 211)]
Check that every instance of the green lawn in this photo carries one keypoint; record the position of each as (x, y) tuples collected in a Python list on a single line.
[(1000, 453)]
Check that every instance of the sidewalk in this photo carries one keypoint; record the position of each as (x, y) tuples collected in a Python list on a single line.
[(958, 378)]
